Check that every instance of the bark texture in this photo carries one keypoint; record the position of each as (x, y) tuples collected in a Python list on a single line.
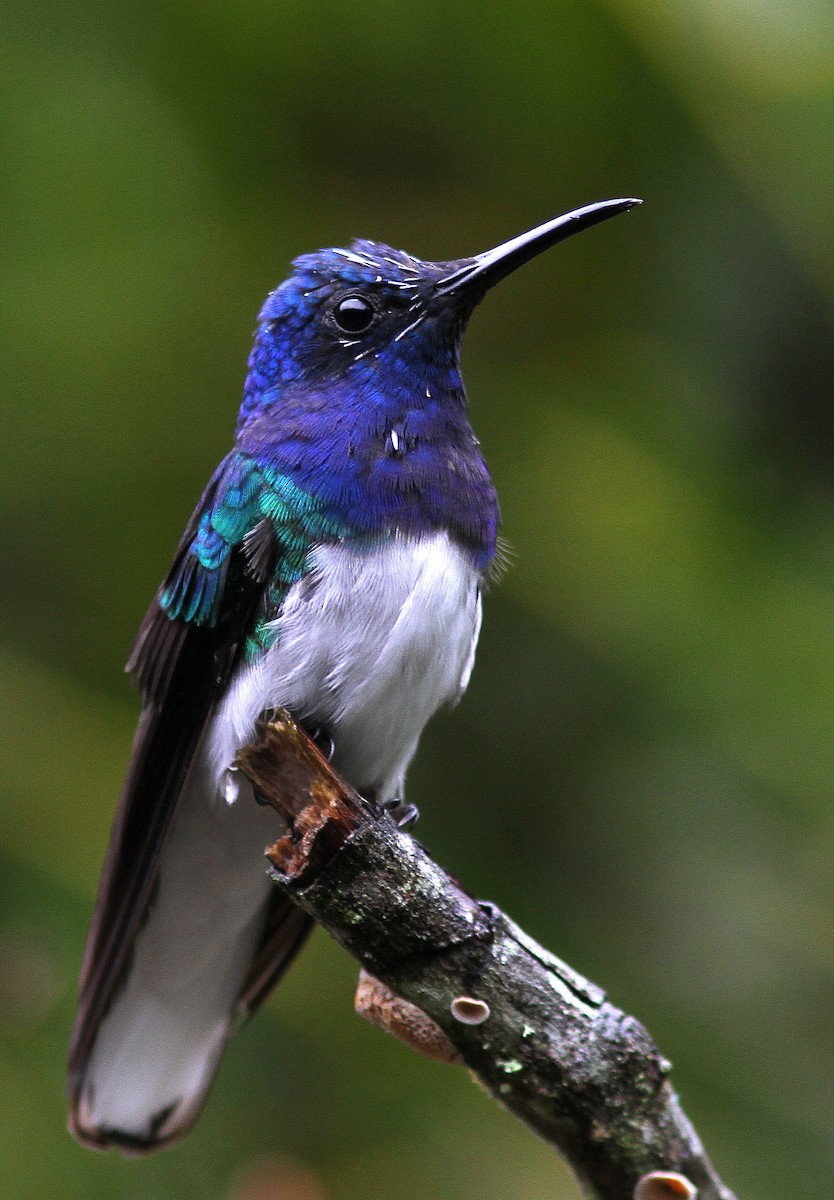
[(584, 1075)]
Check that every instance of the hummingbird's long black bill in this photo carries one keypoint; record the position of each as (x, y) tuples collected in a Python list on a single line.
[(487, 269)]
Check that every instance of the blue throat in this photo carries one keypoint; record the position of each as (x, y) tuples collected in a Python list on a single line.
[(378, 434)]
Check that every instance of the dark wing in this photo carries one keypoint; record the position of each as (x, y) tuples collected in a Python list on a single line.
[(185, 651)]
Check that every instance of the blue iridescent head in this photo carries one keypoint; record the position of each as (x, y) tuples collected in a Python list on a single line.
[(380, 322)]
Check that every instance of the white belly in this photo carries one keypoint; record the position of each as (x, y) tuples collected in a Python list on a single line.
[(368, 645)]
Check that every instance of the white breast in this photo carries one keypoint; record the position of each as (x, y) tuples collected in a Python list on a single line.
[(370, 645)]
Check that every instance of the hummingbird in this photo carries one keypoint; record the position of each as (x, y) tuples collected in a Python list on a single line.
[(334, 566)]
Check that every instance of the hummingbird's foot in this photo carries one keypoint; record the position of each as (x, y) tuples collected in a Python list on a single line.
[(318, 734), (405, 816), (322, 738)]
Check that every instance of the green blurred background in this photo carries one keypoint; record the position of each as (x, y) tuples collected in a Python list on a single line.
[(642, 771)]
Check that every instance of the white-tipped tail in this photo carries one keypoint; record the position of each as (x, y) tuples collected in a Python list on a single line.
[(157, 1048)]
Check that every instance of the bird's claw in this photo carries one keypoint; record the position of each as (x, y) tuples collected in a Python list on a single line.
[(323, 740), (405, 816)]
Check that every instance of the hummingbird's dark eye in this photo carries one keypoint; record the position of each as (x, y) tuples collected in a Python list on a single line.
[(354, 314)]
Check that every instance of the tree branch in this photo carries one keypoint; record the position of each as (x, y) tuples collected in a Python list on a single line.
[(543, 1041)]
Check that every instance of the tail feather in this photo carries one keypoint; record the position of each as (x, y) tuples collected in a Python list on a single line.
[(214, 941)]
